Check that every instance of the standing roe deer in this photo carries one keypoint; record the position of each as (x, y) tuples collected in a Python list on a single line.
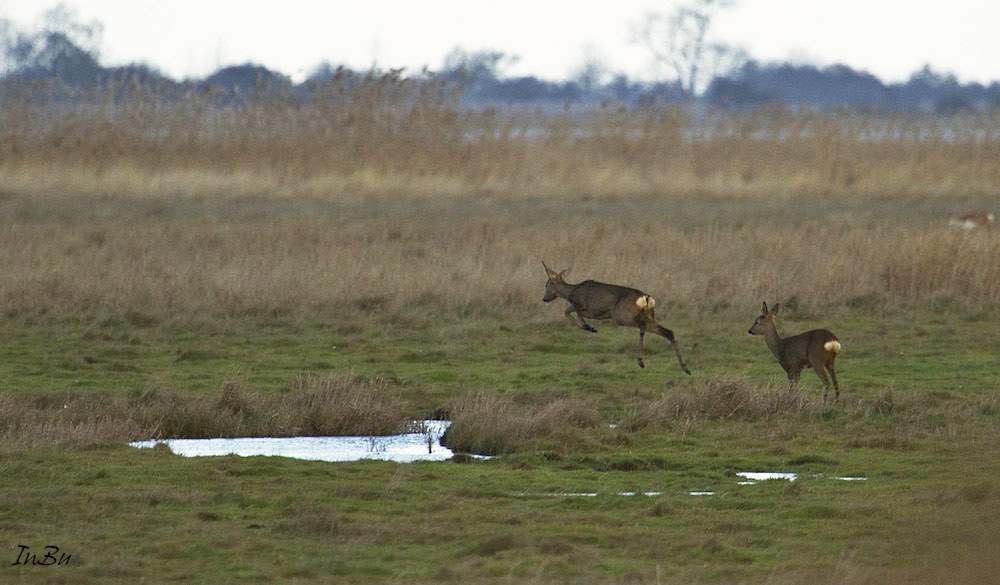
[(597, 300), (817, 348)]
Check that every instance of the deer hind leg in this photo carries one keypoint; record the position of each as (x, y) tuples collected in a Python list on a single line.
[(642, 334), (818, 366), (677, 350), (833, 374)]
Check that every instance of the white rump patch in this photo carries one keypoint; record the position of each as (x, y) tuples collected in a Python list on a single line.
[(971, 221), (833, 346), (645, 302)]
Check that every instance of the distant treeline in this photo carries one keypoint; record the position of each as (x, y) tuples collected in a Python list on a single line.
[(838, 86), (479, 81)]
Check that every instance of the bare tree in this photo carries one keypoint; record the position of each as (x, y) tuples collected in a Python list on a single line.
[(591, 74), (63, 46), (481, 66), (681, 41)]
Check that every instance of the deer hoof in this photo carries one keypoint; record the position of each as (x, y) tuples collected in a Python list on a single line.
[(641, 364), (589, 328), (686, 369)]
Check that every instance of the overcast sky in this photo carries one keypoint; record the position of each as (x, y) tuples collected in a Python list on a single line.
[(550, 38)]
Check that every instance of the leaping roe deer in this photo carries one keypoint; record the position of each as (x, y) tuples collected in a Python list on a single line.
[(596, 300), (817, 348)]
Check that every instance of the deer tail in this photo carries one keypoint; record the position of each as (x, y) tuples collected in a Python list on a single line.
[(833, 346), (645, 302)]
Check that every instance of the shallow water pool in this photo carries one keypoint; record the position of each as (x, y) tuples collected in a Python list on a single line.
[(423, 445)]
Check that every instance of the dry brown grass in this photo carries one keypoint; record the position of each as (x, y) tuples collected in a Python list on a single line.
[(495, 424), (383, 134), (328, 405), (489, 424), (451, 259), (382, 190), (716, 399)]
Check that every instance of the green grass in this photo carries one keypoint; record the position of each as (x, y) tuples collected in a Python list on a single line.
[(909, 348), (125, 514), (918, 418)]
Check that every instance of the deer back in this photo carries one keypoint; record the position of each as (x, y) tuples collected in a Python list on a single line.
[(800, 349), (602, 300)]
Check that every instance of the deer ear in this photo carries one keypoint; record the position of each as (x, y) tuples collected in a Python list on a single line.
[(775, 309), (764, 310), (551, 273)]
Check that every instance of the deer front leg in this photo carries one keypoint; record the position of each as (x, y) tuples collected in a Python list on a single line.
[(578, 321), (793, 379)]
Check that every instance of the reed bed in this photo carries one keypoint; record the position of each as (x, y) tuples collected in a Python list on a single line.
[(361, 135)]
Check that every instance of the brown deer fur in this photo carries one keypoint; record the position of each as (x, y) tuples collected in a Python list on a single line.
[(817, 348), (596, 300)]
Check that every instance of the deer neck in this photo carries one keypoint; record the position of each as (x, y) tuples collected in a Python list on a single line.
[(774, 341), (564, 289)]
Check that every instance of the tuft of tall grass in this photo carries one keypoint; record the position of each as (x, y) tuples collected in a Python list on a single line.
[(716, 399), (335, 404), (332, 404), (488, 424)]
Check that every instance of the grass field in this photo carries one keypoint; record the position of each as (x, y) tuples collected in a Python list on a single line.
[(163, 297)]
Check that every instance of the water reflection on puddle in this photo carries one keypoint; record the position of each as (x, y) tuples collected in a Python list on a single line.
[(595, 494), (421, 445), (753, 477)]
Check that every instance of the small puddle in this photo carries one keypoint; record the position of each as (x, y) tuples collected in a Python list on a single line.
[(753, 477), (405, 448), (594, 494)]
